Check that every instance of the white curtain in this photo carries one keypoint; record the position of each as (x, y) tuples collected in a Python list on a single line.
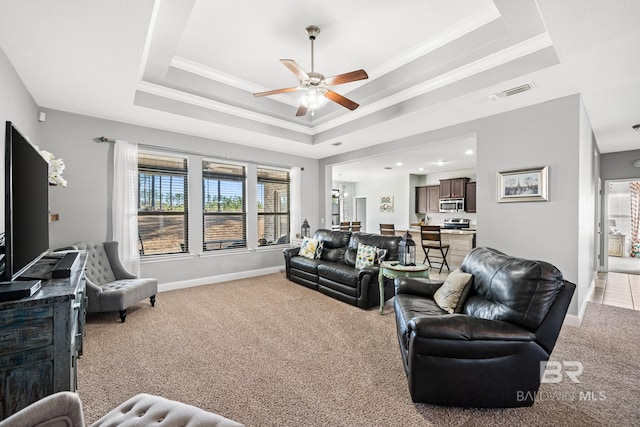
[(125, 204), (295, 190), (635, 219)]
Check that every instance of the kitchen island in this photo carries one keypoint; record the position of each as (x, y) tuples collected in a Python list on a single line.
[(460, 244)]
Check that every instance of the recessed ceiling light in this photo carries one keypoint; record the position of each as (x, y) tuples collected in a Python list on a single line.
[(468, 152), (335, 144), (399, 164), (388, 168), (636, 127), (440, 162), (420, 169)]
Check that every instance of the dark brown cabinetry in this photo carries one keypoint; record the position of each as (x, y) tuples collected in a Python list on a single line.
[(453, 188), (433, 198), (470, 201), (427, 198), (41, 341)]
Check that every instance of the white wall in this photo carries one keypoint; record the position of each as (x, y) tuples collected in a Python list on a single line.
[(85, 204), (373, 189), (16, 106)]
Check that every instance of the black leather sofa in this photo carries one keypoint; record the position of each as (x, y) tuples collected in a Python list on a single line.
[(334, 274), (489, 354)]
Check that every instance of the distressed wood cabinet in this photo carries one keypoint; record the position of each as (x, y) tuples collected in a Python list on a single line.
[(41, 339)]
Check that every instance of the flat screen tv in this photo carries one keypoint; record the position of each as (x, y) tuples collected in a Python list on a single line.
[(26, 204)]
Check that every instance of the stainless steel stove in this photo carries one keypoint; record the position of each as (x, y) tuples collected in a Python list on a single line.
[(456, 223)]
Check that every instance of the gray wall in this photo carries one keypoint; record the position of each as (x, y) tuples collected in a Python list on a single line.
[(620, 165), (85, 204), (16, 106), (552, 133)]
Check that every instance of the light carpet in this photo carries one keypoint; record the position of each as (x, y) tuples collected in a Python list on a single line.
[(268, 352)]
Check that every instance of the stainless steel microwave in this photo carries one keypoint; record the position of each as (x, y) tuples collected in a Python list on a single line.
[(451, 205)]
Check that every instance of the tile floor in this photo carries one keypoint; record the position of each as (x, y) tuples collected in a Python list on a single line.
[(619, 289)]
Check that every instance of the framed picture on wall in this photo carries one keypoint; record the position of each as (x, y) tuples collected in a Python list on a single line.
[(523, 185), (386, 204)]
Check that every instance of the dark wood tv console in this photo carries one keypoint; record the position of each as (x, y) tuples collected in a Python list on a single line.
[(41, 338)]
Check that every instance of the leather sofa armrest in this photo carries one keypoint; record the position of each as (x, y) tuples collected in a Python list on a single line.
[(414, 286), (290, 252), (466, 328)]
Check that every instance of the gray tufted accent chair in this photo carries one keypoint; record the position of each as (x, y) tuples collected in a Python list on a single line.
[(64, 409), (110, 287)]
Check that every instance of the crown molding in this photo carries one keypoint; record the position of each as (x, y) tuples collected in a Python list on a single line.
[(511, 53), (176, 95)]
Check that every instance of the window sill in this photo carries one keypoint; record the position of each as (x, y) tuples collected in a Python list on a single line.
[(151, 259)]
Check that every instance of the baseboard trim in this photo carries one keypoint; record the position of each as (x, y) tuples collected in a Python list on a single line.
[(576, 320), (183, 284)]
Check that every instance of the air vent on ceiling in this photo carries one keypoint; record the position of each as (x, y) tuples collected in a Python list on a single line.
[(513, 91)]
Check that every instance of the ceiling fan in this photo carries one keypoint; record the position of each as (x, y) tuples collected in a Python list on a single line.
[(317, 88)]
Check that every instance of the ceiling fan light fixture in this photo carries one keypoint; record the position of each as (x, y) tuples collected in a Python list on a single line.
[(313, 98)]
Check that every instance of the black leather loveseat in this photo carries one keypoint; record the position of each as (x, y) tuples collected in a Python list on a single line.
[(488, 353), (334, 273)]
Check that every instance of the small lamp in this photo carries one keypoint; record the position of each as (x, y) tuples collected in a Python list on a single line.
[(305, 231), (407, 250)]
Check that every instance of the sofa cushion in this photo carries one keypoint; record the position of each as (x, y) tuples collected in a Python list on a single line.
[(334, 244), (366, 256), (389, 243), (512, 289), (452, 294), (305, 264), (340, 273)]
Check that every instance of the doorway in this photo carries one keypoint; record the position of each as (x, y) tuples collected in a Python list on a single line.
[(360, 213), (621, 226)]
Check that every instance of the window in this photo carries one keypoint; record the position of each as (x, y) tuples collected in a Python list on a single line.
[(273, 206), (224, 208), (162, 204)]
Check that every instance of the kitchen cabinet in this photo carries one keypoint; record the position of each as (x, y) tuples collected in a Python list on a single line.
[(421, 199), (427, 199), (433, 198), (470, 200), (453, 188)]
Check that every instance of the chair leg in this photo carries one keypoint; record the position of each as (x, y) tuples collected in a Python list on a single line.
[(123, 315), (152, 300), (444, 259)]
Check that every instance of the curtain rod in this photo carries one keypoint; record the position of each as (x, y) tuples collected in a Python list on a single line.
[(195, 153)]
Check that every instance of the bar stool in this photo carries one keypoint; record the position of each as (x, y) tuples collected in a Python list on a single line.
[(432, 239), (388, 229)]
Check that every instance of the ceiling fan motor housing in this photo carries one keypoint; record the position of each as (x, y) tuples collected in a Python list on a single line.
[(312, 31)]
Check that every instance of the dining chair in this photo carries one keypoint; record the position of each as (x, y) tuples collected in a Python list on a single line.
[(387, 229), (345, 225), (355, 225), (431, 238)]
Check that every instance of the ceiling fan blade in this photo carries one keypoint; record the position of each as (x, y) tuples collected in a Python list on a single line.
[(275, 91), (347, 77), (345, 102), (295, 69), (302, 111)]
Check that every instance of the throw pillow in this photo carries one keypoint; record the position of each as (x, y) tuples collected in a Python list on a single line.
[(365, 256), (451, 295), (309, 248)]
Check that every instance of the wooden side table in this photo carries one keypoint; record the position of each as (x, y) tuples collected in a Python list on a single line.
[(393, 269)]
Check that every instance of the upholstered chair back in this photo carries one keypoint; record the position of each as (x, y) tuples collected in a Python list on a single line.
[(334, 243), (98, 266), (511, 289)]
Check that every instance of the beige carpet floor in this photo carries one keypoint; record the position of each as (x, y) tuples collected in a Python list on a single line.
[(268, 352)]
